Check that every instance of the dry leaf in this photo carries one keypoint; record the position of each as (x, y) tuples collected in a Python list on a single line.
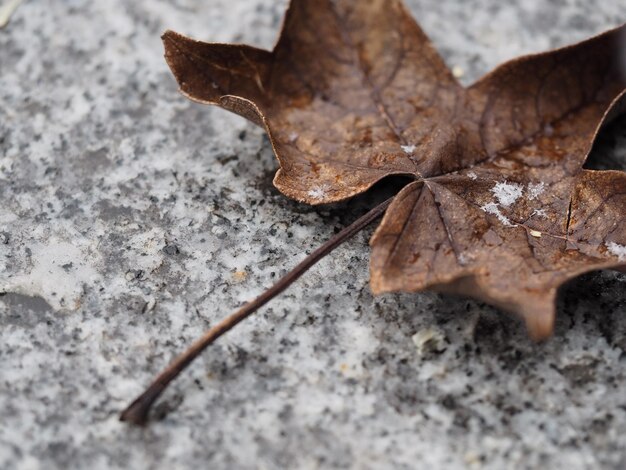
[(500, 208)]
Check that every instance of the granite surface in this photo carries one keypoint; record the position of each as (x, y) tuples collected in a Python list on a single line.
[(132, 219)]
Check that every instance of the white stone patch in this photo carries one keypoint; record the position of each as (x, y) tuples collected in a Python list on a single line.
[(471, 175), (408, 148), (59, 269), (6, 167), (145, 252), (617, 250), (507, 193), (535, 190), (492, 208)]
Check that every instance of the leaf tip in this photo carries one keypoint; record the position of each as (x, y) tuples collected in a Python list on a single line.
[(539, 317), (540, 328), (169, 39), (167, 36)]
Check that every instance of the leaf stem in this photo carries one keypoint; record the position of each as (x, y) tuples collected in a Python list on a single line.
[(137, 411)]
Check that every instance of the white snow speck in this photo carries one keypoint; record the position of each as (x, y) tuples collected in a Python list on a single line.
[(492, 208), (548, 130), (293, 137), (617, 250), (535, 190), (540, 213), (507, 193), (471, 175), (429, 340), (317, 193), (408, 148)]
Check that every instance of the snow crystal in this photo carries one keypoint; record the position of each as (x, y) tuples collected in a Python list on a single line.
[(492, 208), (535, 190), (617, 250), (408, 148), (471, 175), (317, 193), (507, 193), (429, 340)]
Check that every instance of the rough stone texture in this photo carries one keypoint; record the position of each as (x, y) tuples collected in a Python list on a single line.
[(132, 219)]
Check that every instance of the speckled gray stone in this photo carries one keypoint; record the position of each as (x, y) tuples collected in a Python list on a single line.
[(132, 219)]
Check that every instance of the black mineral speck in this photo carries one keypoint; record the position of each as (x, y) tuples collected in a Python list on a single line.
[(171, 249)]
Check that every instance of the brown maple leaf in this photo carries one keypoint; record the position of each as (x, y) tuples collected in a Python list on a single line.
[(500, 208)]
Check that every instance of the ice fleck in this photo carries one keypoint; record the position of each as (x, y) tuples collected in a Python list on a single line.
[(471, 175), (429, 340), (408, 148), (548, 130), (617, 250), (492, 208), (507, 193), (540, 213), (317, 193), (535, 190)]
